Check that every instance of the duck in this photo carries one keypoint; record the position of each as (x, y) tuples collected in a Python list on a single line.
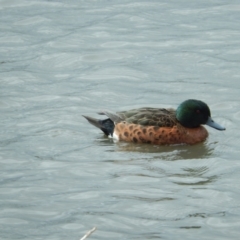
[(159, 126)]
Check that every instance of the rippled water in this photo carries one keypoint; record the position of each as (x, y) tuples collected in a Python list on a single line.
[(59, 175)]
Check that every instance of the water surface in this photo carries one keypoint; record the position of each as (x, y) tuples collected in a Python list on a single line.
[(60, 176)]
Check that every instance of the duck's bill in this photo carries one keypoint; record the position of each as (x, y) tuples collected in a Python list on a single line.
[(213, 124)]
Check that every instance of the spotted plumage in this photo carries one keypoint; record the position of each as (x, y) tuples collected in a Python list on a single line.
[(158, 125)]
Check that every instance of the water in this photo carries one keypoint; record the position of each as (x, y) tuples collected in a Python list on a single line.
[(60, 176)]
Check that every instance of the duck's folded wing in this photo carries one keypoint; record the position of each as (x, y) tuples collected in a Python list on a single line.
[(160, 117), (113, 116)]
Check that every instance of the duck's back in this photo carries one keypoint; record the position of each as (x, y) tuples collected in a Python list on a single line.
[(159, 117)]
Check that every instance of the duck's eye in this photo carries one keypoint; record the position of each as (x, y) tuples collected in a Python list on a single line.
[(198, 111)]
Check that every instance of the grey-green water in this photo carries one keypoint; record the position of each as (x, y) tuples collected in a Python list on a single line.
[(59, 176)]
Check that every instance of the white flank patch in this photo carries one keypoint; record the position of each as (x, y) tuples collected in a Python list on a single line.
[(115, 137)]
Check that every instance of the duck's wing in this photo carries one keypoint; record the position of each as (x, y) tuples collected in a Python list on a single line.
[(160, 117), (116, 118)]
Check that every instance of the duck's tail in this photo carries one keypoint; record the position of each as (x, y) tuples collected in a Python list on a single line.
[(106, 125)]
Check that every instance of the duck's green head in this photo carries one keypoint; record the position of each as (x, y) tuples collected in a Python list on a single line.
[(192, 113)]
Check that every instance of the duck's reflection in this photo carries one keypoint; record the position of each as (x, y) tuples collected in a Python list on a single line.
[(174, 152), (150, 160)]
